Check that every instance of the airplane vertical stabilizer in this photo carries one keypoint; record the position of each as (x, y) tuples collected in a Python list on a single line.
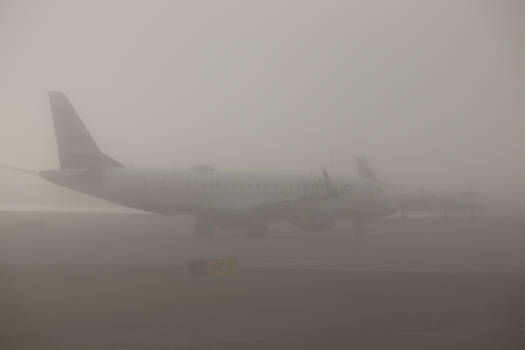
[(76, 148), (365, 170)]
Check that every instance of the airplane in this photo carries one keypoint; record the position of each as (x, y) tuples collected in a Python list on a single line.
[(228, 200), (421, 200)]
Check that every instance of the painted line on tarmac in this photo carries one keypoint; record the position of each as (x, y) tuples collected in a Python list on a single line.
[(337, 266)]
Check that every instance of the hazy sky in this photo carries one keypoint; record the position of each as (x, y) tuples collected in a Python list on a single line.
[(432, 92)]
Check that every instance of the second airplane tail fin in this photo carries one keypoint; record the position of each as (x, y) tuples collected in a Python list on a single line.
[(365, 170), (76, 148)]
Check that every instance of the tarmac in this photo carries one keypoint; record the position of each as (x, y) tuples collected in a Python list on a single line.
[(119, 281)]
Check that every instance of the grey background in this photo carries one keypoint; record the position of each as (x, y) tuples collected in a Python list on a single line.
[(432, 92)]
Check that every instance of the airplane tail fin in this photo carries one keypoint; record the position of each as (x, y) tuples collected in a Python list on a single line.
[(365, 170), (76, 148)]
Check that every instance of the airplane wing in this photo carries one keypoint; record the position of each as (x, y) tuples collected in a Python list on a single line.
[(270, 208), (329, 191), (20, 170)]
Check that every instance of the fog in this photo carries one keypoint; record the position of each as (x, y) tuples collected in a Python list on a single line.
[(433, 93)]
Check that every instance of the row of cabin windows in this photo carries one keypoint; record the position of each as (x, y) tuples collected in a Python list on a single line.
[(216, 184), (166, 182)]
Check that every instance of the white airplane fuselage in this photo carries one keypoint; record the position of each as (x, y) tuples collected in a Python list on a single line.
[(216, 198), (213, 194)]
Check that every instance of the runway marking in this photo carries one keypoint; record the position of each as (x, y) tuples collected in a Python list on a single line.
[(325, 264)]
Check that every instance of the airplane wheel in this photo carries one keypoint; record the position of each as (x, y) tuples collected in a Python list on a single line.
[(258, 230), (203, 229)]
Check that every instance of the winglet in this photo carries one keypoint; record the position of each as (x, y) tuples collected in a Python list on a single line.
[(328, 184)]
